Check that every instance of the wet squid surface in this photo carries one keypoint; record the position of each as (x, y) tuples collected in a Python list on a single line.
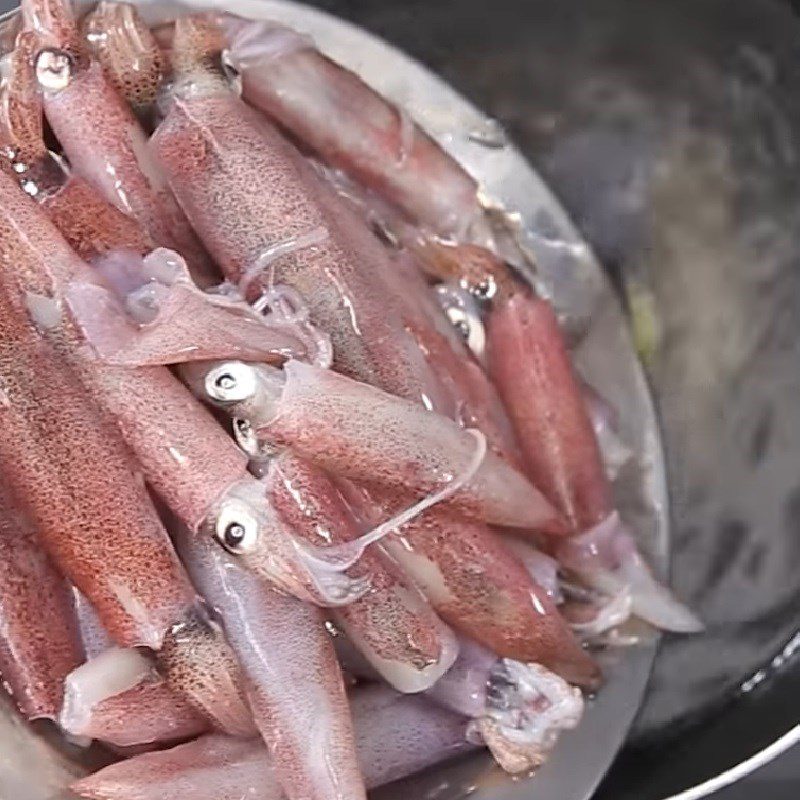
[(298, 468)]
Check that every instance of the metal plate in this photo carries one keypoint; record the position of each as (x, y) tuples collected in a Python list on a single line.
[(605, 357)]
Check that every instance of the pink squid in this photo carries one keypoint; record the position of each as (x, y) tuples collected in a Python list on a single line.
[(350, 125), (397, 735), (367, 435), (391, 624), (85, 517), (529, 362), (99, 133), (127, 50), (191, 463), (39, 637), (281, 226), (111, 543), (295, 687)]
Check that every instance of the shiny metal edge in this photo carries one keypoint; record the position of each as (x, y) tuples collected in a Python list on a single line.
[(606, 357), (742, 769)]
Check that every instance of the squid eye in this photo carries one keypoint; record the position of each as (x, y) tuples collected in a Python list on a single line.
[(464, 313), (230, 382), (485, 288), (237, 531)]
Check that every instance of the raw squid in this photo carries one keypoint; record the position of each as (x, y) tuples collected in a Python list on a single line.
[(380, 426), (295, 687), (119, 698), (191, 463), (127, 50), (73, 204), (392, 625), (350, 125), (517, 710), (530, 364), (99, 133), (39, 637), (144, 596), (448, 340), (280, 227), (210, 142), (397, 735), (362, 433), (480, 589), (93, 516)]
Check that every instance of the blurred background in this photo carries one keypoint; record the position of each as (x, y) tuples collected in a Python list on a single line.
[(670, 130)]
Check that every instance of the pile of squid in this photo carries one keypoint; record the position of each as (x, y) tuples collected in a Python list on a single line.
[(301, 493)]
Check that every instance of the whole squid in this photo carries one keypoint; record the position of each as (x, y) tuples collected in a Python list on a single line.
[(187, 457), (94, 516), (529, 363), (39, 637), (350, 125), (360, 432), (281, 226), (101, 137), (396, 736), (295, 687)]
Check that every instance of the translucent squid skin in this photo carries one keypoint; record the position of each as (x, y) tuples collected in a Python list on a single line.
[(474, 396), (393, 626), (39, 637), (188, 458), (211, 145), (92, 515), (94, 636), (350, 125), (397, 735), (295, 686), (547, 407), (128, 52), (371, 436), (101, 136)]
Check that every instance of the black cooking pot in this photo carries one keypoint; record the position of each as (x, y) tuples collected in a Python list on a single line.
[(671, 132)]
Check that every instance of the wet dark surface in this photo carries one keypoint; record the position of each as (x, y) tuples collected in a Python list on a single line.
[(671, 132)]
